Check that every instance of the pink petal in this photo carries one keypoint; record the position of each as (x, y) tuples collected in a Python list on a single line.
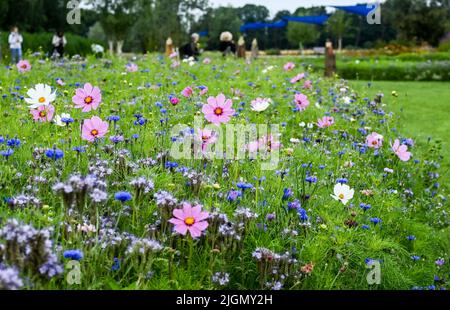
[(201, 225), (181, 229), (88, 88), (195, 232), (178, 213)]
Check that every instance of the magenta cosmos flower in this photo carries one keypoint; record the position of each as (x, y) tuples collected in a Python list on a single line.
[(23, 66), (93, 128), (87, 98), (131, 67), (218, 110), (325, 121), (401, 150), (43, 113), (307, 84), (206, 137), (190, 219), (374, 140), (301, 101)]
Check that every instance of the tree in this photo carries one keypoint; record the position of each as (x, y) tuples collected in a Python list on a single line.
[(337, 25), (302, 34)]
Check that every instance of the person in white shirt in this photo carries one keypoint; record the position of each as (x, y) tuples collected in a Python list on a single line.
[(59, 42), (15, 44)]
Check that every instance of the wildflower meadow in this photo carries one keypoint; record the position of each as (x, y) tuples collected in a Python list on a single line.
[(151, 173)]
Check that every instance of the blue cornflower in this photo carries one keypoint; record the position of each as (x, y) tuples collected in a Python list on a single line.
[(122, 196), (375, 220), (411, 237), (415, 258), (135, 136), (7, 153), (54, 154), (13, 142), (116, 264), (302, 214), (233, 195), (171, 165), (294, 204), (73, 254), (311, 179), (366, 227), (244, 186), (113, 118), (364, 206), (287, 192), (79, 149), (342, 181)]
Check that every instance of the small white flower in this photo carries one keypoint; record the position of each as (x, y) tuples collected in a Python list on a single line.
[(260, 104), (40, 95), (302, 124), (294, 140), (58, 119), (347, 100), (343, 193), (310, 125)]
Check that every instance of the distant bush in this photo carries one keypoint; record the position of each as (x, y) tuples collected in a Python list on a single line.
[(273, 52), (444, 46), (388, 71), (42, 41)]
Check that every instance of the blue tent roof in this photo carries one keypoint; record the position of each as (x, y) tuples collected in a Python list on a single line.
[(253, 26), (318, 20), (360, 9), (203, 33)]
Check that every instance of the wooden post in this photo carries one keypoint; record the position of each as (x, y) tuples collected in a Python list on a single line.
[(241, 48), (169, 47), (330, 60), (255, 50)]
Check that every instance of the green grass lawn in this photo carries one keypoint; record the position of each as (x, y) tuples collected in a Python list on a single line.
[(424, 110)]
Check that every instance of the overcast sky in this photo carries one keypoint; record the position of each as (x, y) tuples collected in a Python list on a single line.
[(291, 5)]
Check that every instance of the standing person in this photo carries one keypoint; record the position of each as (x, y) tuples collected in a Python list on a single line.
[(191, 49), (59, 42), (15, 45)]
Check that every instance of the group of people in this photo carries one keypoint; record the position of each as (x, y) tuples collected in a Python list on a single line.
[(192, 49), (15, 41)]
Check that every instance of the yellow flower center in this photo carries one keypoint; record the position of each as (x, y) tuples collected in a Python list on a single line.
[(218, 111), (24, 66), (341, 196), (94, 132), (42, 99), (42, 113), (88, 100), (189, 221)]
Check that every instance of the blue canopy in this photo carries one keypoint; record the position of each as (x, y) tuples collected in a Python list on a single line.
[(203, 33), (360, 9), (318, 20), (253, 26)]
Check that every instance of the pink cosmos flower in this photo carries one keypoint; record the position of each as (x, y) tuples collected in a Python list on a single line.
[(206, 136), (218, 110), (297, 78), (207, 61), (23, 66), (190, 219), (301, 101), (289, 66), (203, 90), (87, 98), (93, 128), (43, 113), (267, 143), (60, 82), (307, 84), (374, 140), (173, 55), (175, 64), (187, 92), (401, 150), (325, 121), (131, 67)]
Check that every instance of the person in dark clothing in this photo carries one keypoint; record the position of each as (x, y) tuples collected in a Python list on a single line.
[(59, 42), (191, 49), (227, 45)]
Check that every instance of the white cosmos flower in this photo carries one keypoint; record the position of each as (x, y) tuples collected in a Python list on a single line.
[(260, 104), (343, 193), (302, 124), (40, 95), (58, 119)]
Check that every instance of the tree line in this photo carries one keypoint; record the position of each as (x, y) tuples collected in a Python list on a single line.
[(144, 25)]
